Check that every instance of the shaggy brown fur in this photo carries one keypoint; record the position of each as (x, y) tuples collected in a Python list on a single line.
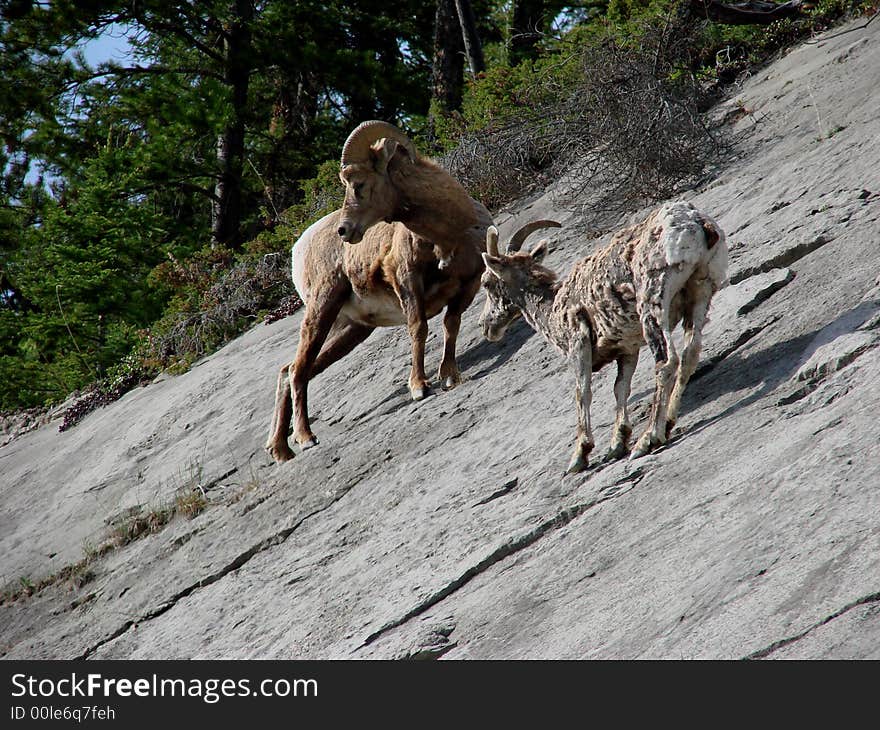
[(418, 239)]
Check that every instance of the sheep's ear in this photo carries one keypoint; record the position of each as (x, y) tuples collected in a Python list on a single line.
[(382, 152), (540, 250), (494, 265)]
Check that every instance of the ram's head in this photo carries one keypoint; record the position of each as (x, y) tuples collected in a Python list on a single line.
[(507, 277), (370, 196)]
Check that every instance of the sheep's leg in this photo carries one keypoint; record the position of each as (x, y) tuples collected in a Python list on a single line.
[(417, 323), (626, 366), (321, 312), (277, 444), (655, 325), (342, 340), (582, 363), (411, 294), (690, 355), (449, 374)]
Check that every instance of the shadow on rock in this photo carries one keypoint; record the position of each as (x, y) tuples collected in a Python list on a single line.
[(498, 352), (769, 368)]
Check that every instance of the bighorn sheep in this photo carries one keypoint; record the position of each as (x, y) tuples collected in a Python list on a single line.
[(419, 237), (636, 289)]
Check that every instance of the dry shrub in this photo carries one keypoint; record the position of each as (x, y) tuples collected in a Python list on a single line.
[(226, 309), (633, 130), (497, 167), (626, 132)]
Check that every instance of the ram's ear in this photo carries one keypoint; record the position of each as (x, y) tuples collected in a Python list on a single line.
[(381, 153), (494, 265), (540, 250)]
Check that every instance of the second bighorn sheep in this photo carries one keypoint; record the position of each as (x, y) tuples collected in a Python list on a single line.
[(635, 290), (419, 237)]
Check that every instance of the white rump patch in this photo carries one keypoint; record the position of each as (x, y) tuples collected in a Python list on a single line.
[(298, 256), (683, 236)]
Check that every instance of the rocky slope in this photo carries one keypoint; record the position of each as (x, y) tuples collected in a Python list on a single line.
[(446, 527)]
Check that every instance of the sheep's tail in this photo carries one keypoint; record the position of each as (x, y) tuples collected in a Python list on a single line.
[(716, 247), (713, 235), (586, 325)]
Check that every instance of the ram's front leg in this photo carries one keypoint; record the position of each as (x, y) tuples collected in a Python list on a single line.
[(655, 325), (626, 366), (582, 363), (412, 299), (449, 374)]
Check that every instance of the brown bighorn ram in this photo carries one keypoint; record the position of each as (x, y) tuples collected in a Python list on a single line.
[(648, 278), (419, 237)]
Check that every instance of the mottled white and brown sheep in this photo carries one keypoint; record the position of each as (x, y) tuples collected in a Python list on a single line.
[(634, 291)]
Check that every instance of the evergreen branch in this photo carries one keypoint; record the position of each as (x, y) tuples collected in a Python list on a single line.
[(182, 184), (67, 325), (181, 33), (135, 70)]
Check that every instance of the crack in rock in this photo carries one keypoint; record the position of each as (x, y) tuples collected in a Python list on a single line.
[(786, 277), (776, 645), (235, 564), (431, 652), (786, 258), (505, 488), (515, 545)]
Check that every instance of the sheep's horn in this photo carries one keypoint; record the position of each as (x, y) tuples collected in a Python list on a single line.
[(518, 238), (357, 146), (492, 241)]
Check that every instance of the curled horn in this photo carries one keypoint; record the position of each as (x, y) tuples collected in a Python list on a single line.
[(492, 241), (357, 146), (518, 238)]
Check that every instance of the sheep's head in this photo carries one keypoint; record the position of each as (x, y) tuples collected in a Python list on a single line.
[(509, 277), (370, 195), (444, 255)]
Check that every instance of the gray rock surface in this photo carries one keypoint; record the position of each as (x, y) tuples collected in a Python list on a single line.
[(445, 528)]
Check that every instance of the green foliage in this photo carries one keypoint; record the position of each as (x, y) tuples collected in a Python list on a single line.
[(320, 195), (518, 121), (83, 273), (620, 12), (109, 175)]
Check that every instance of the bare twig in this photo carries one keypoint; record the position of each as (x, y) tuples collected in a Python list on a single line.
[(843, 32)]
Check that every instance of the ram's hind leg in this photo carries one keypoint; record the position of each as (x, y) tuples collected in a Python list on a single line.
[(321, 313), (657, 331), (343, 338), (699, 296), (277, 445)]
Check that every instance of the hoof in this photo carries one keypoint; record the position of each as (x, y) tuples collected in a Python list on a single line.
[(307, 442), (645, 445), (280, 452), (419, 393), (580, 460), (449, 379), (615, 453), (669, 426)]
